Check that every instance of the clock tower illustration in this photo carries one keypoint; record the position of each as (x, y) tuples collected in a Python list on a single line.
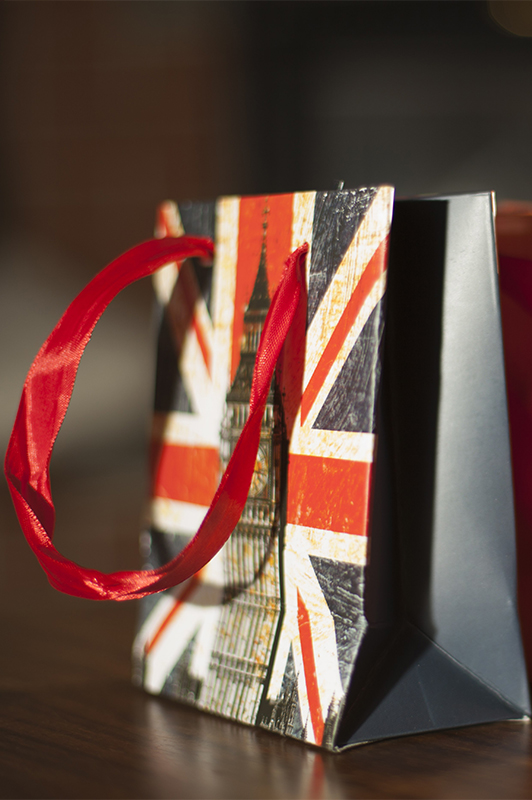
[(251, 604)]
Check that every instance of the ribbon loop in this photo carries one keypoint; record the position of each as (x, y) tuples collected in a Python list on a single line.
[(44, 403)]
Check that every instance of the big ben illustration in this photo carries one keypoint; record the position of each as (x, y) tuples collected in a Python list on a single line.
[(251, 604)]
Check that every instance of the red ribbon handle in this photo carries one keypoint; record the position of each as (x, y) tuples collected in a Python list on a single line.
[(44, 402)]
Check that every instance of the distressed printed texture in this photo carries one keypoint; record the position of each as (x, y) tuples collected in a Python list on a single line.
[(268, 632)]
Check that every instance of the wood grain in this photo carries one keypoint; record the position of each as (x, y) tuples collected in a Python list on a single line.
[(73, 726)]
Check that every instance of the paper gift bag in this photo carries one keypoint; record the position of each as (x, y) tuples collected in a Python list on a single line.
[(354, 577), (368, 589)]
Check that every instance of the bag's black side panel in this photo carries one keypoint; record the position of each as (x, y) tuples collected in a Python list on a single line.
[(457, 659), (473, 577), (452, 456), (420, 688), (413, 345)]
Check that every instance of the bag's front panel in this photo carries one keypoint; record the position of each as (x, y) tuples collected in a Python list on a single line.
[(268, 632), (331, 450)]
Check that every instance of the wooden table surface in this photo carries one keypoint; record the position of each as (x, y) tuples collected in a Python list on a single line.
[(73, 726)]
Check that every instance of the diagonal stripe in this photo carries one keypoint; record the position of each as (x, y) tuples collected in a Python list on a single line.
[(183, 597), (192, 367), (168, 224), (371, 274), (309, 666), (337, 218), (349, 344), (374, 227), (179, 315), (192, 295)]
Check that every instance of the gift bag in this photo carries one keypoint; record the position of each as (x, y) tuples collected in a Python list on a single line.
[(368, 589), (354, 577)]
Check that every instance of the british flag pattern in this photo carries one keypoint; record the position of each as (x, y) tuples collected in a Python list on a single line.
[(278, 653)]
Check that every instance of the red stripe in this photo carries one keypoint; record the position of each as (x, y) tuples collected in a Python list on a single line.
[(309, 666), (371, 274), (188, 474), (328, 493), (181, 313), (183, 597)]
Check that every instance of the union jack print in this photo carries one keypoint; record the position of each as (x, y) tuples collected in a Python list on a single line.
[(205, 643)]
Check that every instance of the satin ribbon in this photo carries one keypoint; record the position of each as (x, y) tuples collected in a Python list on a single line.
[(44, 402)]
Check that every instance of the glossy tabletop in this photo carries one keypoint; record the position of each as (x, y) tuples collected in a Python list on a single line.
[(73, 726)]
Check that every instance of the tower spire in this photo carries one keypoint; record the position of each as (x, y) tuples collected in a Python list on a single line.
[(254, 317), (260, 298)]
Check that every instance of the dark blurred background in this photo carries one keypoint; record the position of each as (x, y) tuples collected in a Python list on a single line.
[(109, 108)]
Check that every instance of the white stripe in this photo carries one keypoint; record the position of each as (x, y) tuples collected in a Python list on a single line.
[(161, 660), (173, 516), (178, 427), (300, 542), (203, 646), (199, 613), (224, 287), (347, 446), (302, 222), (153, 622), (328, 544), (203, 319), (323, 633), (198, 383), (301, 577)]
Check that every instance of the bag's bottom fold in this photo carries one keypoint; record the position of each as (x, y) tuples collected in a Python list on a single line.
[(417, 688)]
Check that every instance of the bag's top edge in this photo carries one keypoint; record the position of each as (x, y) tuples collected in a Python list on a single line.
[(189, 202), (447, 195)]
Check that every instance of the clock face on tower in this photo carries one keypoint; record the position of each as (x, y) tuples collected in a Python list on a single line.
[(261, 471)]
